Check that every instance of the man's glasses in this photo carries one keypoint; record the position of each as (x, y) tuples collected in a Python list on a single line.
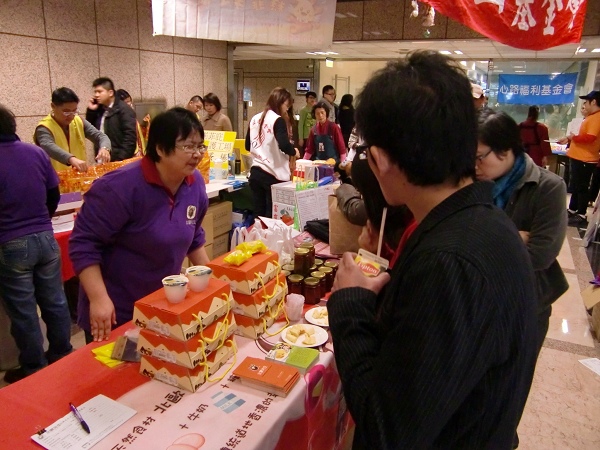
[(480, 158), (191, 149)]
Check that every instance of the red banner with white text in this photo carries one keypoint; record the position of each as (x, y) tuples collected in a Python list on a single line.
[(526, 24)]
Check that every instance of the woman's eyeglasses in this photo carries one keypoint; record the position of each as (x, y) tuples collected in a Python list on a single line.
[(191, 149), (480, 158)]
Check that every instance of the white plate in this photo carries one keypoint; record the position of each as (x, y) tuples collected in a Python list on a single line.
[(324, 322), (321, 336)]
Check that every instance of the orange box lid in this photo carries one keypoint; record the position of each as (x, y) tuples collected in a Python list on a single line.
[(194, 303), (246, 271)]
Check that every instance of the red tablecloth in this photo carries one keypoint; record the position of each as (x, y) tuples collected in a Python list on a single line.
[(67, 267)]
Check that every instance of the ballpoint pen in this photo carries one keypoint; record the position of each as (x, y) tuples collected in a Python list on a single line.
[(79, 418)]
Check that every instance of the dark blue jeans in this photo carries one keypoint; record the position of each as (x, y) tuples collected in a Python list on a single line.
[(30, 275)]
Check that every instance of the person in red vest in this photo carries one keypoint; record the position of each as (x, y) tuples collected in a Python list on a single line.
[(534, 136)]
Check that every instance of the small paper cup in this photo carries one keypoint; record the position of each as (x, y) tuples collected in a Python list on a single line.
[(198, 277), (175, 287)]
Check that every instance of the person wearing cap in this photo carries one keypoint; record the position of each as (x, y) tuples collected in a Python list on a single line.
[(583, 157), (479, 98)]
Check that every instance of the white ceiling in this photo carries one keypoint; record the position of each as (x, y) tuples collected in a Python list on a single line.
[(472, 50)]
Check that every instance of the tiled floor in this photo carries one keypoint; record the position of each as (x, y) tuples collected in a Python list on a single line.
[(563, 409)]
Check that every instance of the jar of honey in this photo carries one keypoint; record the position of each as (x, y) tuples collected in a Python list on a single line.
[(288, 267), (318, 262), (311, 251), (328, 271), (322, 281), (312, 291), (294, 282), (302, 262), (333, 264)]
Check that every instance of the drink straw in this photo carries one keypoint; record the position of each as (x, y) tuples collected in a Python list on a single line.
[(381, 228)]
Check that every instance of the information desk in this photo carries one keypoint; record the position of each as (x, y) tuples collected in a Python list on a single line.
[(226, 413)]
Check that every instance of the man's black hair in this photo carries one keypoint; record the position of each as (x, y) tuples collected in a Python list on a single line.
[(426, 120)]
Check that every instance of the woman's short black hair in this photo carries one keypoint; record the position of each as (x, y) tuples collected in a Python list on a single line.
[(346, 100), (420, 112), (167, 127), (64, 95), (321, 105), (499, 131), (8, 123), (213, 100), (123, 94), (533, 112)]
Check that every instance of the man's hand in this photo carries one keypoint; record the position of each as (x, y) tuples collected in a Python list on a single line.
[(78, 164), (92, 104), (102, 318), (301, 142), (103, 156), (349, 275)]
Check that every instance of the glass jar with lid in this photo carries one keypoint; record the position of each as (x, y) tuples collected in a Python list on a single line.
[(294, 282), (311, 251), (312, 291), (322, 281), (302, 261), (333, 264), (328, 271)]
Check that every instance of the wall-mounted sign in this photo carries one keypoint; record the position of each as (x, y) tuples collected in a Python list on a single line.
[(247, 94), (302, 86), (537, 89)]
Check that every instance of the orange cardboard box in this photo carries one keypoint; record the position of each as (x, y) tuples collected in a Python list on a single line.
[(178, 320), (256, 305), (182, 377), (246, 277), (187, 353), (253, 328)]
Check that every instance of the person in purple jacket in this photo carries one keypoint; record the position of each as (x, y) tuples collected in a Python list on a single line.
[(30, 266), (138, 223)]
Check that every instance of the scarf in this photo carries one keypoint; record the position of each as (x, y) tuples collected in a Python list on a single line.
[(506, 184)]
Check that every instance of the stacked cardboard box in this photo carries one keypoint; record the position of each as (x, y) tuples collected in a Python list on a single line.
[(258, 291), (220, 226), (183, 344)]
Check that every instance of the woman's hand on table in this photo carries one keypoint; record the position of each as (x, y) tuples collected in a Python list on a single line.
[(102, 317), (350, 275), (78, 164)]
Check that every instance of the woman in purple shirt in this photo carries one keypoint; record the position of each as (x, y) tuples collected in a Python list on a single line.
[(139, 222)]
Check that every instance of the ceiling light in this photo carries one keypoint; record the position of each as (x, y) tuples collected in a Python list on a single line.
[(458, 52), (332, 53), (483, 62), (520, 71), (581, 50), (310, 53), (445, 52), (596, 50), (555, 73), (518, 67)]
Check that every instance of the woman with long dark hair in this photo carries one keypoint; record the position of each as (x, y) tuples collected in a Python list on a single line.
[(346, 116), (269, 143)]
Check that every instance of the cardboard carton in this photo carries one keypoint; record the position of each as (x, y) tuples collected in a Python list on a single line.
[(187, 353), (221, 217), (266, 375), (255, 305), (246, 278), (183, 377), (591, 300), (220, 245), (180, 321)]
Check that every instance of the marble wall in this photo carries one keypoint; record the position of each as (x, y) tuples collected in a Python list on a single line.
[(47, 44)]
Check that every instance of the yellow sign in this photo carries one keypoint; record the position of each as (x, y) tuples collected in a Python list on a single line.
[(219, 143)]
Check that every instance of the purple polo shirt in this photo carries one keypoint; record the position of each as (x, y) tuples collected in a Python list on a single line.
[(25, 177), (137, 231)]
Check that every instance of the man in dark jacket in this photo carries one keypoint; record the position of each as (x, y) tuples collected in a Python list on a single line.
[(441, 353), (114, 118)]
